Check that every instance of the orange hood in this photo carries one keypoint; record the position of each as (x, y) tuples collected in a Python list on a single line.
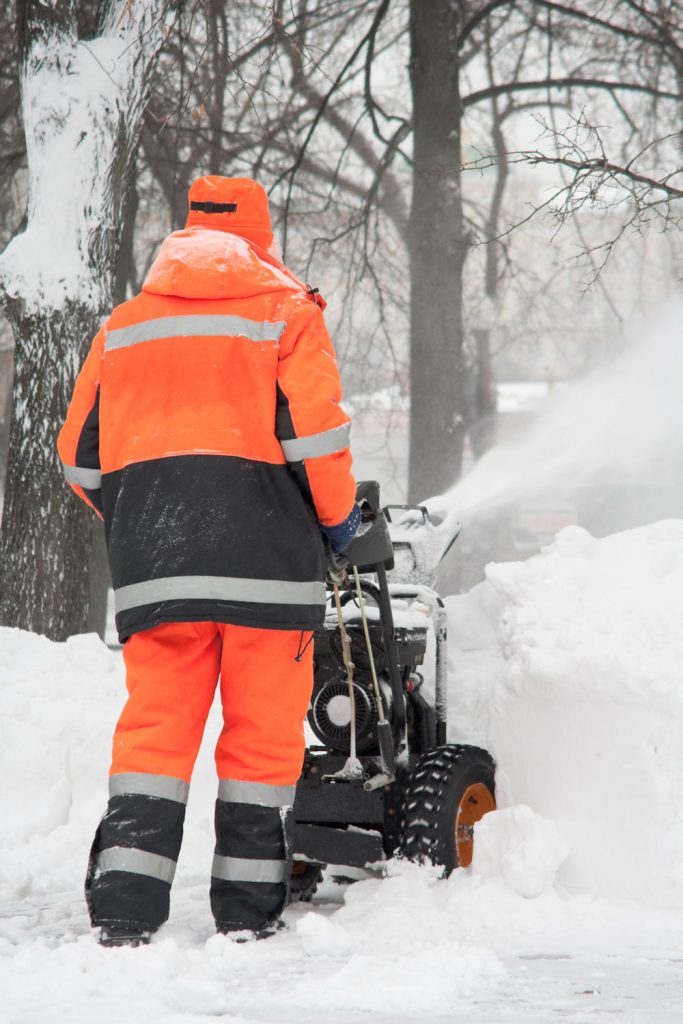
[(239, 205), (200, 263)]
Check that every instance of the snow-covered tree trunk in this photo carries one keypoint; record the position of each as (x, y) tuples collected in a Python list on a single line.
[(83, 102)]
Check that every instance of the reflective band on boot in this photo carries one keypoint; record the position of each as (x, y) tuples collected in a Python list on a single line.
[(236, 791), (137, 862), (244, 869), (145, 784)]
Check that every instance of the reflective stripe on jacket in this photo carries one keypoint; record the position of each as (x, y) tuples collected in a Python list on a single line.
[(205, 427)]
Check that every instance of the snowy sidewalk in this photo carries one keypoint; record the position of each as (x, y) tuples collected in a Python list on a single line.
[(402, 949)]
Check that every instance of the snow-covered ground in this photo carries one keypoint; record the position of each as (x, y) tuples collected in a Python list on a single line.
[(568, 666)]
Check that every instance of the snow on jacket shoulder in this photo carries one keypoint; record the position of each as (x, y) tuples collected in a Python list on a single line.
[(205, 427)]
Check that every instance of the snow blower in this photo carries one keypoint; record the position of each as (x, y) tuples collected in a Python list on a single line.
[(383, 779)]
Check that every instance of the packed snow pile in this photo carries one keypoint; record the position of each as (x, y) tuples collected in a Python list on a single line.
[(569, 668), (520, 848)]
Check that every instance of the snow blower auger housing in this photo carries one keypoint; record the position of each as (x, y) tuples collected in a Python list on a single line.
[(383, 777)]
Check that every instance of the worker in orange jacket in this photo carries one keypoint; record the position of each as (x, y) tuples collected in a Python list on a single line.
[(205, 429)]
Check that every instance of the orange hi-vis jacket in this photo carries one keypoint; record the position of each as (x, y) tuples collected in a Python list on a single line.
[(205, 428)]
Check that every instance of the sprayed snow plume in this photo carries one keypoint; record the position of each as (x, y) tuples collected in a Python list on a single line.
[(616, 432)]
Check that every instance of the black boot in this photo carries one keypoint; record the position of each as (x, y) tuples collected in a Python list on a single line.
[(251, 868), (124, 935), (242, 935), (134, 854)]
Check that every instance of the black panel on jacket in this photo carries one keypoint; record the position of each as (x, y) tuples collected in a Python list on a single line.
[(284, 429), (88, 447), (210, 515), (235, 613), (94, 496)]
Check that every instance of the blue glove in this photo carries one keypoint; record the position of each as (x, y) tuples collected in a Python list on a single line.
[(341, 535)]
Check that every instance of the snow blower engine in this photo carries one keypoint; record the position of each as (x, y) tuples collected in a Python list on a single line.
[(383, 778)]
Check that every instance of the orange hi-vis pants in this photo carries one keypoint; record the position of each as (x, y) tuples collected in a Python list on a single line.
[(171, 675), (266, 678)]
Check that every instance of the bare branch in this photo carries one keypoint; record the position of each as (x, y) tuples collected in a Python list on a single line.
[(566, 83)]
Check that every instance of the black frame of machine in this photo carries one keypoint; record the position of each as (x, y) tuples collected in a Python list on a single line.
[(348, 809)]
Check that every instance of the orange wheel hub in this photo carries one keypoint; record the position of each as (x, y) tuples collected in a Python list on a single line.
[(477, 800)]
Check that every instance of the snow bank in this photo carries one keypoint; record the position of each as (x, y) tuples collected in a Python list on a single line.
[(569, 667), (58, 706)]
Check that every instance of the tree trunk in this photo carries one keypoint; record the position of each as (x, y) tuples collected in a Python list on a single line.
[(218, 46), (482, 429), (437, 251), (46, 534), (83, 108), (6, 375)]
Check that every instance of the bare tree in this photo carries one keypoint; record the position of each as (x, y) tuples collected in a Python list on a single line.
[(548, 57), (618, 146), (83, 99)]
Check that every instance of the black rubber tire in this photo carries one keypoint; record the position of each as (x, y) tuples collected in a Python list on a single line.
[(304, 881), (432, 796)]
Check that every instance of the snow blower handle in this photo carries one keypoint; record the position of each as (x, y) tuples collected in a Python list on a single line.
[(371, 547), (339, 562), (408, 508)]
